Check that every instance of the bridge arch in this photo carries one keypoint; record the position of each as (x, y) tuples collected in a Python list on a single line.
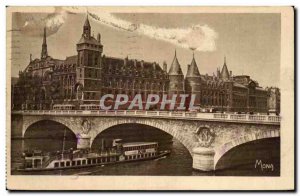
[(31, 121), (223, 149), (186, 142), (49, 129)]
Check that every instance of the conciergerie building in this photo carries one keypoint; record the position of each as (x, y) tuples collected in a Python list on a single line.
[(82, 79)]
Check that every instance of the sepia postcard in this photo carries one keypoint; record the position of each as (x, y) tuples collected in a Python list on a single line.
[(150, 98)]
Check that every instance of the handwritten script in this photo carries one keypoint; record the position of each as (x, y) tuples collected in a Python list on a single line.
[(264, 166)]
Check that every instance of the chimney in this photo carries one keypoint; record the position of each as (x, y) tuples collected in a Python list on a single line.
[(99, 38), (142, 64), (165, 66), (125, 61), (135, 63)]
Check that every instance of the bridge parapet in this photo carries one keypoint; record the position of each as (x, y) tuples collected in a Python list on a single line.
[(243, 118)]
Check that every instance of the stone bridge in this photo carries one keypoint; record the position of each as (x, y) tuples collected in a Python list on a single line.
[(207, 136)]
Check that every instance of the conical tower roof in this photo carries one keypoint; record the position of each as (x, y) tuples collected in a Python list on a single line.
[(225, 72), (87, 22), (175, 68), (193, 70)]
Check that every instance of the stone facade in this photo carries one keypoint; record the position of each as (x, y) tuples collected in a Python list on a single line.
[(274, 100), (86, 76)]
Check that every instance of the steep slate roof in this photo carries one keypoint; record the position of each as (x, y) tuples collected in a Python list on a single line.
[(130, 63), (193, 70), (71, 60), (175, 68), (90, 40), (225, 72), (239, 85)]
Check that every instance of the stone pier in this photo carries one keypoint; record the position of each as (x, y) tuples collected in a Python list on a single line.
[(203, 159)]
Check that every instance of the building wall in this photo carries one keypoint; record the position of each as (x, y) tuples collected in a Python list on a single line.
[(85, 77)]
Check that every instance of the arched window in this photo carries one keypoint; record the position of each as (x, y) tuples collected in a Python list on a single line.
[(79, 91)]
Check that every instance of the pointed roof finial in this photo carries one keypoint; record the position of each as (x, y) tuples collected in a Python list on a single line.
[(225, 60), (193, 54), (175, 52), (87, 22)]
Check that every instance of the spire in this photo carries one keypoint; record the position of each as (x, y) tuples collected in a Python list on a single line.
[(224, 72), (44, 38), (175, 68), (44, 53), (86, 27), (193, 70), (87, 22)]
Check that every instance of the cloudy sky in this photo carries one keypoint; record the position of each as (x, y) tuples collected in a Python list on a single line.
[(250, 42)]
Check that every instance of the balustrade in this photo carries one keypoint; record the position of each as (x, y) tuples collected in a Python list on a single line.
[(164, 114)]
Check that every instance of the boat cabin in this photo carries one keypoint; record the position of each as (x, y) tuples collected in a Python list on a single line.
[(139, 150)]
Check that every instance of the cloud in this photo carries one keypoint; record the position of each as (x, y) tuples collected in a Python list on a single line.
[(34, 25), (196, 37)]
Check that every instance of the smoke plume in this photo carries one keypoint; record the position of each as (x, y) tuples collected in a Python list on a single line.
[(34, 25)]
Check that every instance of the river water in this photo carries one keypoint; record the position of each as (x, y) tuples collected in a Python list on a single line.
[(178, 163)]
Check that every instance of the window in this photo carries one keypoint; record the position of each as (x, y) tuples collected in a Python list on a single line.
[(56, 164), (62, 164), (89, 161), (73, 163), (96, 60), (83, 162), (68, 163), (78, 162)]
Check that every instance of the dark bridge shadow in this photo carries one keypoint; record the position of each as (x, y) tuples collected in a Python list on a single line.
[(255, 158), (178, 163), (132, 133), (48, 135)]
